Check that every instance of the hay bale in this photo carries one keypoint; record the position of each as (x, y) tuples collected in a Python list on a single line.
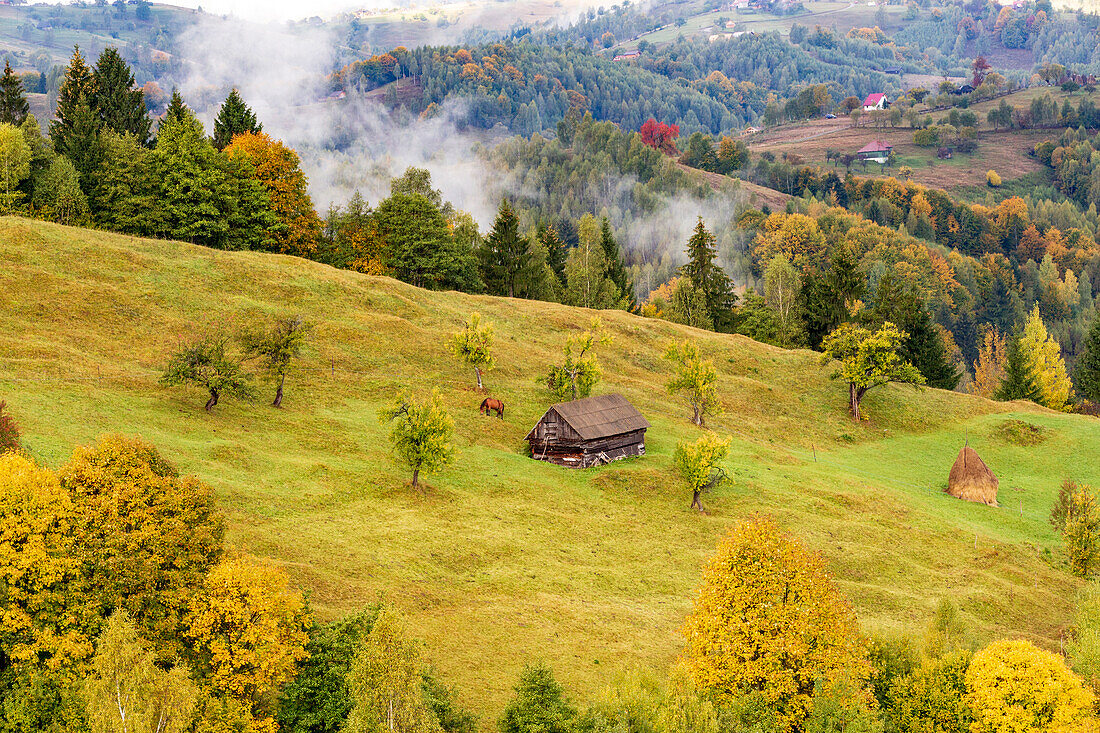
[(971, 479)]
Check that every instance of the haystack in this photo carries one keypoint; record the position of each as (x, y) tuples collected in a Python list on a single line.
[(971, 479)]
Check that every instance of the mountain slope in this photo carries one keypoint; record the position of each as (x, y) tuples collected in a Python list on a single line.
[(503, 560)]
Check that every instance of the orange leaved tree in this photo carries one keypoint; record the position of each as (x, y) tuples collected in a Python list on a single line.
[(278, 168)]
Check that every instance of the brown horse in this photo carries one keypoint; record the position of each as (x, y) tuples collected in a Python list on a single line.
[(493, 404)]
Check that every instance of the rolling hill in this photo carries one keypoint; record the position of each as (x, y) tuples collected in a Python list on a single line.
[(501, 560)]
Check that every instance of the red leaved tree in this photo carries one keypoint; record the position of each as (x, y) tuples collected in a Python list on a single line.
[(660, 136)]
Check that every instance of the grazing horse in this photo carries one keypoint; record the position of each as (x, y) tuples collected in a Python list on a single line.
[(492, 403)]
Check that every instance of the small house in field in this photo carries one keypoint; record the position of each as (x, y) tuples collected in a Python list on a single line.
[(875, 101), (971, 479), (875, 150), (589, 432)]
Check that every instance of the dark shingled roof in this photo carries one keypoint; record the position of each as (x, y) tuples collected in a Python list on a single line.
[(601, 416)]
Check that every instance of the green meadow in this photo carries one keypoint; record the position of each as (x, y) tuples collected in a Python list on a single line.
[(501, 560)]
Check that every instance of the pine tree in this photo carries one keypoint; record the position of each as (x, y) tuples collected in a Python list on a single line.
[(706, 275), (1088, 365), (72, 101), (177, 110), (116, 102), (1019, 382), (13, 105), (504, 255), (234, 118), (556, 250), (615, 269)]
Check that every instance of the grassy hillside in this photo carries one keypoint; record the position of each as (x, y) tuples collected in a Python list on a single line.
[(503, 560)]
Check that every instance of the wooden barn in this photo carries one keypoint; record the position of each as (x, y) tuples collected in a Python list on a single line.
[(589, 432)]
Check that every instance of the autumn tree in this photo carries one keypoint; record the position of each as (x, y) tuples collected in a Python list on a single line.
[(248, 631), (989, 369), (43, 623), (127, 691), (148, 536), (660, 136), (580, 371), (421, 434), (697, 464), (704, 272), (696, 379), (118, 104), (13, 103), (385, 682), (279, 170), (538, 706), (1013, 685), (473, 345), (207, 363), (1055, 388), (805, 632), (234, 118), (277, 348), (868, 360)]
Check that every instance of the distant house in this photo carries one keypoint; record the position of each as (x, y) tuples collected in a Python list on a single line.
[(626, 56), (750, 130), (964, 89), (875, 150), (589, 432), (875, 101)]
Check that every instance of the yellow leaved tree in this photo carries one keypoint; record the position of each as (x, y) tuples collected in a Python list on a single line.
[(249, 631), (39, 618), (1013, 686), (1045, 356), (770, 619)]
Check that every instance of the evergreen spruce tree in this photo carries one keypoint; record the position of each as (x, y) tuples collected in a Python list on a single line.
[(177, 110), (556, 250), (233, 118), (505, 253), (1019, 382), (13, 105), (708, 276), (115, 100), (615, 269), (72, 101), (1088, 365)]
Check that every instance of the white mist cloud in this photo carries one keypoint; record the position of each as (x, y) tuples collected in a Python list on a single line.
[(345, 145)]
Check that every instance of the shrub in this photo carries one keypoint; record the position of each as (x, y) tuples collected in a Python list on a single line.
[(9, 431), (993, 179)]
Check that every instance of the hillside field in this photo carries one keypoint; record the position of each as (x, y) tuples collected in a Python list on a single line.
[(502, 560)]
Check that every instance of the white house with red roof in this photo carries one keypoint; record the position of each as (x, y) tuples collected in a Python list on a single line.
[(875, 101), (875, 150)]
